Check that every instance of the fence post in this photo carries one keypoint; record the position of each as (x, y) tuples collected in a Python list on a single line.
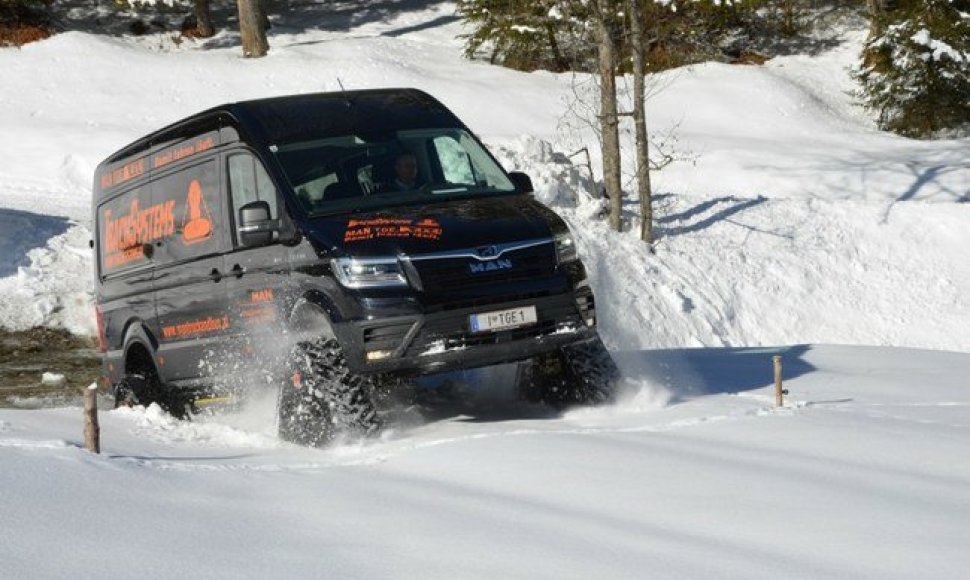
[(779, 391), (92, 431)]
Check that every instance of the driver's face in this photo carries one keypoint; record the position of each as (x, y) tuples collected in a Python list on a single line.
[(406, 168)]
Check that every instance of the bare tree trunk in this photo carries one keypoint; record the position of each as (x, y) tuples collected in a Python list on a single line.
[(789, 18), (640, 122), (875, 9), (609, 120), (203, 19), (254, 43), (554, 47)]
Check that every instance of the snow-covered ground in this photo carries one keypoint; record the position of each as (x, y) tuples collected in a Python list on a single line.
[(864, 475), (789, 221)]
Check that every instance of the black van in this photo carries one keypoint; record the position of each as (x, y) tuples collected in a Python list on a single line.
[(369, 236)]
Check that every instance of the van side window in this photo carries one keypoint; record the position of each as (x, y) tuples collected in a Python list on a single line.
[(125, 225), (249, 182), (191, 198)]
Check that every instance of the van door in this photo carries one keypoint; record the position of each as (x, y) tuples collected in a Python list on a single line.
[(190, 291), (258, 275), (126, 225)]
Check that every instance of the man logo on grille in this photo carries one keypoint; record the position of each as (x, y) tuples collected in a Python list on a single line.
[(487, 251), (491, 266)]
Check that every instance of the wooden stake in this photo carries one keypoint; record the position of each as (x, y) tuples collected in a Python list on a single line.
[(779, 391), (92, 431)]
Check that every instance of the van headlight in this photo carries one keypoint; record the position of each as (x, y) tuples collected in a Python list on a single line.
[(565, 247), (369, 272)]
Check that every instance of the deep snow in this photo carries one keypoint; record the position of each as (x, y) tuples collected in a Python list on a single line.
[(861, 476), (789, 221)]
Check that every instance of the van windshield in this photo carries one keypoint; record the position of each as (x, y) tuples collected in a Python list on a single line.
[(357, 172)]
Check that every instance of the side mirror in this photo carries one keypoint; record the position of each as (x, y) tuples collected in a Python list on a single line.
[(522, 182), (255, 226)]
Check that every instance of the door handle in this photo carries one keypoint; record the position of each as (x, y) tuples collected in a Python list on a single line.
[(216, 275), (238, 271)]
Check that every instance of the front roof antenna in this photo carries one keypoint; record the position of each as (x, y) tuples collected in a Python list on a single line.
[(343, 90)]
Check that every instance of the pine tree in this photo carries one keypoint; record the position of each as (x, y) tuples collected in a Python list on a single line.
[(528, 35), (916, 68)]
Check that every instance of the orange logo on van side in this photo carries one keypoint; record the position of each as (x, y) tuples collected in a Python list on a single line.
[(180, 152), (122, 174), (125, 234), (196, 221)]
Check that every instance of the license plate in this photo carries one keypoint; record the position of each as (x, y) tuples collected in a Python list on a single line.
[(503, 319)]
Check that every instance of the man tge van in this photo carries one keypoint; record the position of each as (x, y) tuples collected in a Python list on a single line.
[(369, 235)]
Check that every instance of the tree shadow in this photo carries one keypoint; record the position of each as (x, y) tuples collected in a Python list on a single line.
[(942, 175), (25, 231), (818, 31), (694, 221), (343, 16), (923, 177), (286, 17), (692, 372), (439, 21)]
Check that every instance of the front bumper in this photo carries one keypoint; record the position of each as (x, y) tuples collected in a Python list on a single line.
[(423, 343)]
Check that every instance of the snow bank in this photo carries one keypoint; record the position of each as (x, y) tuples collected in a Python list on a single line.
[(54, 288), (751, 270)]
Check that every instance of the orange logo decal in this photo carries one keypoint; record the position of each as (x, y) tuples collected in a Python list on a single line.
[(182, 151), (368, 229), (257, 296), (205, 325), (125, 234), (122, 174), (196, 220)]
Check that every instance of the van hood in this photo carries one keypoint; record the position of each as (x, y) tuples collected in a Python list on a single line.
[(437, 227)]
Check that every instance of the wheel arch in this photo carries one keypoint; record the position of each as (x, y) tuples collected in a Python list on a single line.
[(312, 315), (140, 348)]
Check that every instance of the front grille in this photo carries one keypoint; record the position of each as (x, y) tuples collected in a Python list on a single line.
[(455, 273), (482, 301)]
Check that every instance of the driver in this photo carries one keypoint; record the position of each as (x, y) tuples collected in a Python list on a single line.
[(405, 173)]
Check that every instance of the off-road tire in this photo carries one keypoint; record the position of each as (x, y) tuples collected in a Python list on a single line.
[(132, 390), (322, 399), (580, 374), (144, 388)]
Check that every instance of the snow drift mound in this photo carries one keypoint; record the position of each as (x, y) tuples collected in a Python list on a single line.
[(736, 270), (50, 285)]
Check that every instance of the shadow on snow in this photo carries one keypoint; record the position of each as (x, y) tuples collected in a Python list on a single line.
[(286, 17), (692, 372), (28, 231), (489, 395)]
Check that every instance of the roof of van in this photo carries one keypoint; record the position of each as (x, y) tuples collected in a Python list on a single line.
[(294, 118)]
